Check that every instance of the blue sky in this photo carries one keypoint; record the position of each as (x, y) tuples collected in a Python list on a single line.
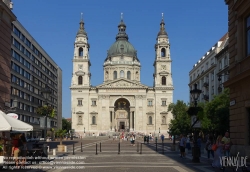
[(193, 28)]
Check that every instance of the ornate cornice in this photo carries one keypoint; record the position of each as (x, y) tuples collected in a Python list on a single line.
[(103, 96), (150, 113), (164, 88), (80, 73), (79, 112), (93, 113)]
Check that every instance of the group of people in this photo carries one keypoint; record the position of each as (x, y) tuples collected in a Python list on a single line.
[(18, 147), (221, 146), (217, 148), (184, 144)]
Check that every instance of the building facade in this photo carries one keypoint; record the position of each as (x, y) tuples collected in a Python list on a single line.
[(239, 74), (121, 103), (210, 72), (6, 18), (31, 69)]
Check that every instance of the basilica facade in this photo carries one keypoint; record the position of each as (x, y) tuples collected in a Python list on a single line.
[(121, 103)]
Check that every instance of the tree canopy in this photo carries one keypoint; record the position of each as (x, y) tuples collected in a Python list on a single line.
[(217, 113), (181, 121), (66, 125), (46, 110), (214, 115)]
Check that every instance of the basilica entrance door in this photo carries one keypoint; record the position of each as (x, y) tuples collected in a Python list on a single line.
[(122, 125)]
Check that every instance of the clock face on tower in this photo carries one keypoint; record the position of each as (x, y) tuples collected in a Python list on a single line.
[(163, 67)]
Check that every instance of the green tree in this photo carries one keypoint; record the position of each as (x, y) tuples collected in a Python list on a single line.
[(46, 110), (66, 125), (181, 120), (217, 111), (61, 133)]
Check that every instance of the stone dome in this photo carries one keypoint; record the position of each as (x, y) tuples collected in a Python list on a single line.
[(122, 47)]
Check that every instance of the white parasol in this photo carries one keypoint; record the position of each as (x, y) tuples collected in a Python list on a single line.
[(9, 123)]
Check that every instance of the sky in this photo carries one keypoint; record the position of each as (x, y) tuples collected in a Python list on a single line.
[(193, 28)]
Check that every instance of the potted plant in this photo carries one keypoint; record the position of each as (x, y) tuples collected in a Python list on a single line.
[(60, 134), (1, 147)]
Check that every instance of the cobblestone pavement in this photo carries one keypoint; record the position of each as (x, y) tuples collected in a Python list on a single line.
[(141, 157)]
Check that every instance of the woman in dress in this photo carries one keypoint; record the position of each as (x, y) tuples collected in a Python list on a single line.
[(218, 153)]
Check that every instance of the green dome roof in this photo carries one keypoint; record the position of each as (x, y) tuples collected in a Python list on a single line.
[(122, 47)]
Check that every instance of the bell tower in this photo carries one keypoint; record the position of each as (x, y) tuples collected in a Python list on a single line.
[(162, 64), (81, 63)]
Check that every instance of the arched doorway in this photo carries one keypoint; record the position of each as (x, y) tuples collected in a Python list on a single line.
[(121, 118)]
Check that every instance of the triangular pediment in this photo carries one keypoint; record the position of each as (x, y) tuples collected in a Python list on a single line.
[(122, 83)]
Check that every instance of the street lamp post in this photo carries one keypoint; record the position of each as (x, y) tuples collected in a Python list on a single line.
[(46, 92), (196, 150)]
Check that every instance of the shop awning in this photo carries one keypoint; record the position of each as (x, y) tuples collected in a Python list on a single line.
[(11, 124)]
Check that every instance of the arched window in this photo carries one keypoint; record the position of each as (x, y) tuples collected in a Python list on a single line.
[(163, 52), (150, 120), (121, 74), (128, 74), (163, 80), (80, 80), (81, 51), (115, 74), (93, 120)]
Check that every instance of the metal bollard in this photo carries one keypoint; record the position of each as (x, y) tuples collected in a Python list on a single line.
[(100, 146), (141, 149), (54, 151), (48, 149), (156, 145), (162, 148), (137, 146), (73, 148), (96, 149), (81, 146), (119, 147)]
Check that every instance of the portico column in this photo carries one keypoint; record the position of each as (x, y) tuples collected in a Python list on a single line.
[(113, 121), (130, 121)]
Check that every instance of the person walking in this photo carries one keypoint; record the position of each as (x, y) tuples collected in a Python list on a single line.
[(228, 143), (188, 145), (209, 147), (183, 146), (218, 153), (162, 137)]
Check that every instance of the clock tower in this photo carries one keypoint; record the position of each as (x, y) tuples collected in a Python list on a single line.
[(162, 64)]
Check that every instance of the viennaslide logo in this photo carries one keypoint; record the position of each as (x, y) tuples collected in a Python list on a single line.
[(233, 161)]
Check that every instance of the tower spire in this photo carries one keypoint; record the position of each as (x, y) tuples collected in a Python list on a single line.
[(162, 28), (81, 29), (122, 30)]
